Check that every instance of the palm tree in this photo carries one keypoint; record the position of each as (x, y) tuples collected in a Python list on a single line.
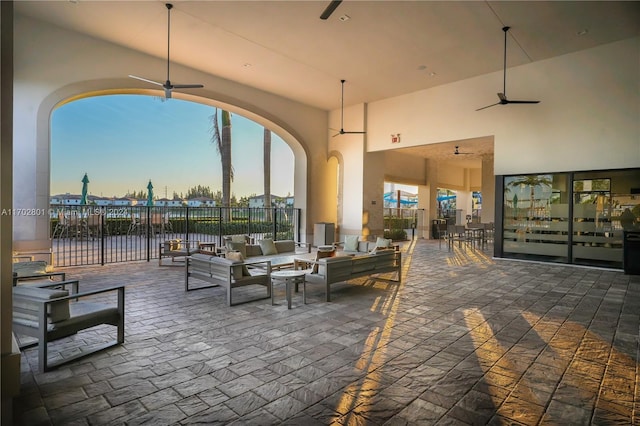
[(223, 145), (532, 181), (267, 172)]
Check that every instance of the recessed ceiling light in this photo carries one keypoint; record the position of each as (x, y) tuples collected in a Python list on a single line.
[(247, 65), (344, 18), (432, 74), (582, 32)]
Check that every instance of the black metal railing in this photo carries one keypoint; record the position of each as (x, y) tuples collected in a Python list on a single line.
[(89, 235)]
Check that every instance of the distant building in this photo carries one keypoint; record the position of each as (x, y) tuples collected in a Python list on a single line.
[(65, 200), (165, 202), (276, 201), (101, 201), (124, 201), (201, 202)]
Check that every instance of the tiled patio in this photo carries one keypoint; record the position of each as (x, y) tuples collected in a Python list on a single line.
[(463, 340)]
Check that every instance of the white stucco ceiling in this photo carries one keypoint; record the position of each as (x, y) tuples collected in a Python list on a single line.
[(385, 49)]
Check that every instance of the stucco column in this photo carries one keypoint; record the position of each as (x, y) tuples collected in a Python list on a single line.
[(10, 357), (351, 149), (373, 190), (488, 190), (430, 195)]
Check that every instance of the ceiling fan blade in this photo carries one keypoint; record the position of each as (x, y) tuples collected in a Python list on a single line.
[(489, 106), (187, 86), (330, 8), (146, 80), (523, 102), (352, 133)]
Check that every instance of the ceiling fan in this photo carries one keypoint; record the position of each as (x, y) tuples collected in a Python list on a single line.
[(330, 8), (503, 96), (457, 151), (167, 85), (342, 131)]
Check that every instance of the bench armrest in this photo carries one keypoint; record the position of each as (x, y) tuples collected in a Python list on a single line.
[(119, 288), (51, 275), (75, 285)]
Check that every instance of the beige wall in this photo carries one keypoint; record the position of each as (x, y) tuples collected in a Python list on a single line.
[(587, 118)]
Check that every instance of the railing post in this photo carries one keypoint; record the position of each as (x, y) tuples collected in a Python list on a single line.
[(148, 230), (219, 226), (297, 216), (275, 224), (186, 223), (103, 218)]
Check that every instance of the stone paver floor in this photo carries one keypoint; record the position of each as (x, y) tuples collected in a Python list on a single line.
[(464, 339)]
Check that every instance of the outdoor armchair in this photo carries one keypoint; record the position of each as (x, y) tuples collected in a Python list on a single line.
[(51, 314)]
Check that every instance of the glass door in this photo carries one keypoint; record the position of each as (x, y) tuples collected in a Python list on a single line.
[(536, 217)]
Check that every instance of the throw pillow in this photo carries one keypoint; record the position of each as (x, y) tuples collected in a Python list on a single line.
[(238, 246), (268, 247), (175, 244), (351, 242), (383, 242), (240, 270)]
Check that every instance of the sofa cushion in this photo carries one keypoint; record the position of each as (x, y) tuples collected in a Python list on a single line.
[(239, 270), (365, 246), (253, 250), (383, 242), (57, 311), (21, 269), (268, 247), (173, 245), (351, 242), (285, 246)]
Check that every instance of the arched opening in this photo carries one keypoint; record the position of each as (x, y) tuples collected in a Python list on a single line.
[(33, 233)]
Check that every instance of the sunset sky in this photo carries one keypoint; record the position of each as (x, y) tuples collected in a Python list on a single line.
[(122, 141)]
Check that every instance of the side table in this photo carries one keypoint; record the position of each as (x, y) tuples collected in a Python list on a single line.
[(291, 279)]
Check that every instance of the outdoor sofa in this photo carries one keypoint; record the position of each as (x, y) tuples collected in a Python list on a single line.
[(49, 314), (227, 273), (341, 268)]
